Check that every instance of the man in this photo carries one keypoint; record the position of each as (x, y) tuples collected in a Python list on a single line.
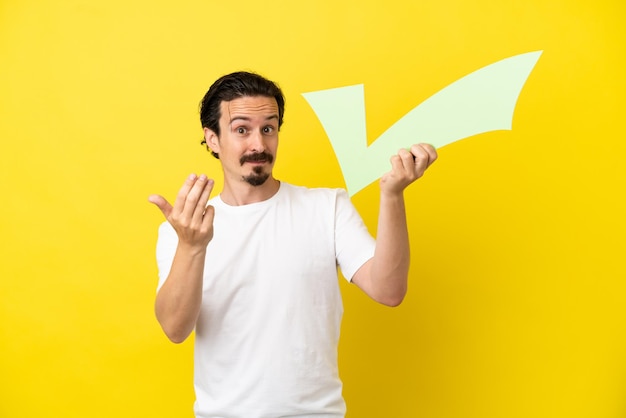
[(254, 270)]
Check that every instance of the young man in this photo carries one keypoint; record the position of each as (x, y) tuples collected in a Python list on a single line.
[(254, 270)]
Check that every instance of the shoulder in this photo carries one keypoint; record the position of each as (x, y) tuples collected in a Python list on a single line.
[(314, 193), (317, 198)]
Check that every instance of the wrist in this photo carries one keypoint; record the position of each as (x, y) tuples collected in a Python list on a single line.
[(392, 195), (192, 250)]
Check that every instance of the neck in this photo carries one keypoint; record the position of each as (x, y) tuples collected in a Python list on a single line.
[(242, 193)]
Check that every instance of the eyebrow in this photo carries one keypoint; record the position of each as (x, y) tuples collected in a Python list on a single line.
[(247, 119)]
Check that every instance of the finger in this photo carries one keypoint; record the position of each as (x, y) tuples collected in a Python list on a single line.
[(421, 158), (161, 203), (202, 201), (207, 219), (396, 163), (407, 158), (193, 197), (432, 152), (181, 197)]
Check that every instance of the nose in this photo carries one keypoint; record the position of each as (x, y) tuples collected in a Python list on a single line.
[(257, 142)]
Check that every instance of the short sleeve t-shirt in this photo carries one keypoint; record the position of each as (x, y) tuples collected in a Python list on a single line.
[(267, 334)]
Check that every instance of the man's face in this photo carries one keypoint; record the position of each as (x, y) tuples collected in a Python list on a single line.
[(249, 138)]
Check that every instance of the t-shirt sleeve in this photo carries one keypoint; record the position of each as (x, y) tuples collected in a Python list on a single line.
[(354, 245), (167, 242)]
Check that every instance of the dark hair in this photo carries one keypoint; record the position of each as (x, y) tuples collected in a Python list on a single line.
[(233, 86)]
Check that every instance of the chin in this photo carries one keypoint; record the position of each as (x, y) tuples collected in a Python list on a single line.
[(256, 179)]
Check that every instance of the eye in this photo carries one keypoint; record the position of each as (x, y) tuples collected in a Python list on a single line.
[(241, 130), (268, 129)]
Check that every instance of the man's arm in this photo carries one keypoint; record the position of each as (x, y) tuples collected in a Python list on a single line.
[(178, 301), (384, 277)]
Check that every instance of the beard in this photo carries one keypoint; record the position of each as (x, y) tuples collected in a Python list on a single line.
[(258, 176)]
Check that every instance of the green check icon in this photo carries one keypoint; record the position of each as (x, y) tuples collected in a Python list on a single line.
[(480, 102)]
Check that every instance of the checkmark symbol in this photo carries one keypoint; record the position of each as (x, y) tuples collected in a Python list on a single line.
[(480, 102)]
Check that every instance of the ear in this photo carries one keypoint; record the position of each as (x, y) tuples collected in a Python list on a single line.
[(212, 140)]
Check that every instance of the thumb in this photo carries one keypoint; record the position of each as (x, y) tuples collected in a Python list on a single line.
[(161, 203)]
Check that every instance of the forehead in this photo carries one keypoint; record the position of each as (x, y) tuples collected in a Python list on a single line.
[(249, 107)]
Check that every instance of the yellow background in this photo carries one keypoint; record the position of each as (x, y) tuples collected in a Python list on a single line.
[(516, 304)]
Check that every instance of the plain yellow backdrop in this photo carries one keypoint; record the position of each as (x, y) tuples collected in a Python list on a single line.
[(517, 288)]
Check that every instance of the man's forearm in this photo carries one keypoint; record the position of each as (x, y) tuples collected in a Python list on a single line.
[(390, 265), (384, 277), (178, 301)]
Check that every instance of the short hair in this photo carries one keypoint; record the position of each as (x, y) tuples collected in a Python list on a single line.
[(233, 86)]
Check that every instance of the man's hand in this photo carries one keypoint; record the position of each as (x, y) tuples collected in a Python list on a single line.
[(177, 304), (406, 167), (190, 217)]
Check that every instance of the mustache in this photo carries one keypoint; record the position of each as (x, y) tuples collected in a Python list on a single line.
[(257, 156)]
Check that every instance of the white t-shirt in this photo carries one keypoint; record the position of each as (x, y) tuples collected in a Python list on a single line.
[(267, 334)]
